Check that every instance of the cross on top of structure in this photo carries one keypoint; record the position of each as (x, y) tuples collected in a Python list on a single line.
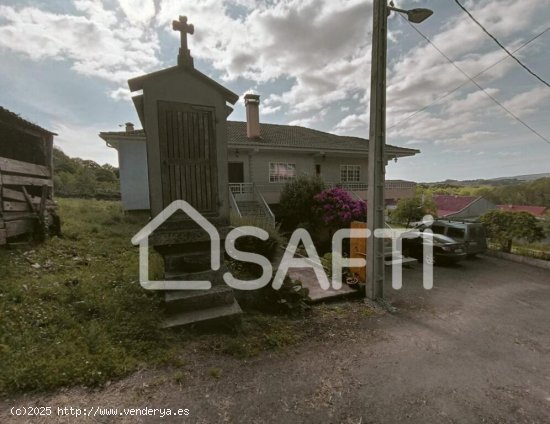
[(181, 25)]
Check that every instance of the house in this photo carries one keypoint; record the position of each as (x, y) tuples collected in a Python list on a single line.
[(461, 207), (262, 157), (537, 211), (26, 177)]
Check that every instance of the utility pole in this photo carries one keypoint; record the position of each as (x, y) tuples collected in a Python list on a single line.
[(376, 159)]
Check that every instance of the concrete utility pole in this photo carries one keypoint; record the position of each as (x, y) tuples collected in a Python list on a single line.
[(377, 141), (377, 160)]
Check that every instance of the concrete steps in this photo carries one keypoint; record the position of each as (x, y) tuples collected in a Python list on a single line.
[(184, 307), (251, 208), (223, 314)]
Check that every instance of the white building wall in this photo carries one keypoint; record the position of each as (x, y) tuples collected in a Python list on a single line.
[(134, 183)]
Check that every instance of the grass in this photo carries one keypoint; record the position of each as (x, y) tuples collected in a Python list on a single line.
[(532, 250), (73, 313), (71, 309)]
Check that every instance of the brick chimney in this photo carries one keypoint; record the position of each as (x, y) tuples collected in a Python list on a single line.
[(129, 126), (252, 103)]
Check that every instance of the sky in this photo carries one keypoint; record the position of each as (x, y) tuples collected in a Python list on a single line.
[(65, 65)]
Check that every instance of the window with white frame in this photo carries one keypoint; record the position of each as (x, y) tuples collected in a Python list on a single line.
[(350, 173), (281, 172)]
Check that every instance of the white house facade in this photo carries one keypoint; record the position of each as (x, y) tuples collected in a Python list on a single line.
[(261, 159)]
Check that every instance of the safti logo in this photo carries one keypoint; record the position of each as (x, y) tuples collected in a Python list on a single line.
[(289, 260)]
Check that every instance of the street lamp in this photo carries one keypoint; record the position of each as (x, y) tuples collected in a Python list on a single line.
[(415, 16), (377, 141)]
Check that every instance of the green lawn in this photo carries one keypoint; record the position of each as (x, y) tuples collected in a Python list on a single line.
[(72, 311)]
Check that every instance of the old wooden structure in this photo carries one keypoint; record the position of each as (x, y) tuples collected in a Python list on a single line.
[(26, 178), (184, 115)]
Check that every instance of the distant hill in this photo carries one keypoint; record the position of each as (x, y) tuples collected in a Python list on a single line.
[(528, 177), (491, 181)]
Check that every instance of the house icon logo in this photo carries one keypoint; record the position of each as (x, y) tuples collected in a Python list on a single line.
[(142, 239)]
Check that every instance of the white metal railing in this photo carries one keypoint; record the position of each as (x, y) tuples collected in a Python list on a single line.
[(351, 186), (267, 210), (249, 192), (241, 188), (233, 204)]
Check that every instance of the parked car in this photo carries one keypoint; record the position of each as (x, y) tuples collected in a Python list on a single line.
[(445, 249), (472, 234)]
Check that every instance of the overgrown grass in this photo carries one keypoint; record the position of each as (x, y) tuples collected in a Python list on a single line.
[(73, 313)]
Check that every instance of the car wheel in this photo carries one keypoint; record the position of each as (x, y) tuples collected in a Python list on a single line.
[(430, 259)]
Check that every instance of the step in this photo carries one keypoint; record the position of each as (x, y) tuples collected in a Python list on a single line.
[(224, 313), (189, 300), (215, 277), (400, 261)]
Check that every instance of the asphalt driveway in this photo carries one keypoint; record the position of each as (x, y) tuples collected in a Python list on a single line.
[(475, 349)]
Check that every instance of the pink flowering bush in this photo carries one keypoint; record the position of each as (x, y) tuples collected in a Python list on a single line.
[(336, 208)]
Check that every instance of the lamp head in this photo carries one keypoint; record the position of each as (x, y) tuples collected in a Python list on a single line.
[(417, 16)]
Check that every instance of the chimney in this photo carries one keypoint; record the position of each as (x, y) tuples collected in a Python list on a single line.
[(252, 103), (129, 126)]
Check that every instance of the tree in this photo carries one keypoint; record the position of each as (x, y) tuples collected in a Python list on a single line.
[(504, 227), (297, 200), (413, 209)]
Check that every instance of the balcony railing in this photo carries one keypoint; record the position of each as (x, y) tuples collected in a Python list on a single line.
[(352, 186)]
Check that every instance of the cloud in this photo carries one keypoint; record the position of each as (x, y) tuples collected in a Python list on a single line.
[(528, 102), (138, 11), (79, 140), (94, 41)]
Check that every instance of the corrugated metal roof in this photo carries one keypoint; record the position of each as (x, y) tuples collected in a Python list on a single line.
[(7, 115), (447, 205), (533, 210)]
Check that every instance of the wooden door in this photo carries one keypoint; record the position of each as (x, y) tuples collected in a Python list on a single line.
[(236, 172), (188, 155)]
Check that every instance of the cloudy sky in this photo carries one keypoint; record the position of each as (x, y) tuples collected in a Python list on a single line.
[(65, 63)]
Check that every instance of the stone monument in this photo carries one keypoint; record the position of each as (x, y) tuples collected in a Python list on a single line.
[(184, 114)]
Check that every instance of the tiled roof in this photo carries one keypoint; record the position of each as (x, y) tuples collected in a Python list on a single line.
[(288, 136), (300, 137), (533, 210), (9, 116), (447, 205)]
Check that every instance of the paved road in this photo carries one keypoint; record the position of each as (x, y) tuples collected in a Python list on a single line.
[(475, 349)]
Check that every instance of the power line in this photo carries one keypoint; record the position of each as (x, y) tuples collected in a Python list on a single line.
[(501, 45), (448, 93), (521, 121)]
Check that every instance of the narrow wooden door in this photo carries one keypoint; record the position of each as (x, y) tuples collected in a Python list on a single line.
[(235, 172), (188, 155)]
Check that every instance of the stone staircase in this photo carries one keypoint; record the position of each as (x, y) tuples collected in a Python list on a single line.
[(251, 208), (391, 257), (216, 306)]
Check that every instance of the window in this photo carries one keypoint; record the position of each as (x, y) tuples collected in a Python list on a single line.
[(350, 173), (281, 172), (456, 233)]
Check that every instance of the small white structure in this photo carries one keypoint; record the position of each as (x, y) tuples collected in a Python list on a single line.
[(132, 163)]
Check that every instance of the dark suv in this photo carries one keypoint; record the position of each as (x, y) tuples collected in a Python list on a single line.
[(472, 234)]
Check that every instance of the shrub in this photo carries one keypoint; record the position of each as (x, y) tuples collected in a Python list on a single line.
[(336, 208), (297, 199), (504, 227)]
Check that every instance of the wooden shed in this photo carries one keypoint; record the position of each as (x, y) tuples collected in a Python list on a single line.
[(26, 178)]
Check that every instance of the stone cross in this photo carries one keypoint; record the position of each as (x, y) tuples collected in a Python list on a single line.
[(184, 28)]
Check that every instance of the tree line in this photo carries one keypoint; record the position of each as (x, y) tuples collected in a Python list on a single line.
[(75, 177), (533, 193)]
